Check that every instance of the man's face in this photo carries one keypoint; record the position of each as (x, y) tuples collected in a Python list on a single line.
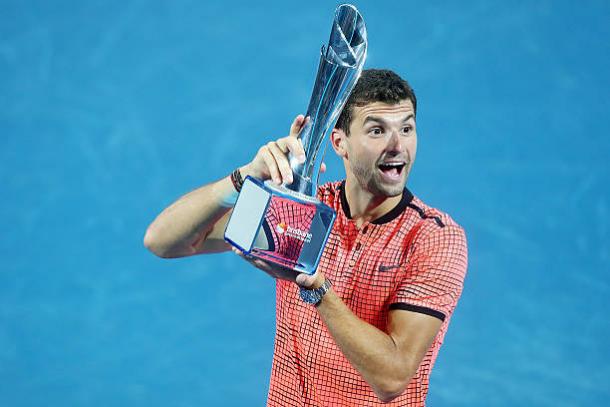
[(381, 146)]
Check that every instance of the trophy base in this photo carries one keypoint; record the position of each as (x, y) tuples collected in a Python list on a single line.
[(279, 226)]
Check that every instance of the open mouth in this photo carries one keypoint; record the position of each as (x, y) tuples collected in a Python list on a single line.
[(392, 170)]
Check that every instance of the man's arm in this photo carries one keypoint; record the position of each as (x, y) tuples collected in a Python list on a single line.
[(196, 222), (193, 224), (386, 361)]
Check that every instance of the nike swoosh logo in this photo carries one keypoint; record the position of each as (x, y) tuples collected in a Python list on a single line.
[(383, 268)]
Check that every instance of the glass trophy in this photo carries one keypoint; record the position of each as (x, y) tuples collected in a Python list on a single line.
[(286, 224)]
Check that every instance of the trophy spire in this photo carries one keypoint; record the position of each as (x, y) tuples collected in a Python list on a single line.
[(288, 225), (341, 62)]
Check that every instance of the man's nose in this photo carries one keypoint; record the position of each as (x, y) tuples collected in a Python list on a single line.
[(394, 142)]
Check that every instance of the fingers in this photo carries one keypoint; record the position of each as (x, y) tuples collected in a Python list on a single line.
[(282, 162), (281, 272), (297, 125), (274, 158), (254, 261), (272, 161), (271, 164), (274, 270), (292, 143), (293, 146)]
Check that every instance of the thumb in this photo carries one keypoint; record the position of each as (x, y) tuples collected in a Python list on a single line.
[(305, 280)]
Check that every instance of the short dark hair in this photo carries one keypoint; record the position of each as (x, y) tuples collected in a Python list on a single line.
[(376, 85)]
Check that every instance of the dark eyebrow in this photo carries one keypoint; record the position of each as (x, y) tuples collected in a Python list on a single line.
[(382, 121)]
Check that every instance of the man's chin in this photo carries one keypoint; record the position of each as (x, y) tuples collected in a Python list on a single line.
[(394, 191), (388, 190)]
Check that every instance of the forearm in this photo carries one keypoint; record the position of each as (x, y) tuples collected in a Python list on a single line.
[(191, 224), (372, 352), (188, 221)]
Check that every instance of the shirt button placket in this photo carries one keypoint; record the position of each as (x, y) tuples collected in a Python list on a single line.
[(358, 246)]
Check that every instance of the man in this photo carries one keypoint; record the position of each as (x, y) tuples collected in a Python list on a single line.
[(390, 275)]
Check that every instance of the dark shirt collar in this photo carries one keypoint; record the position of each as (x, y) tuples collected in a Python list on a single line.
[(406, 199)]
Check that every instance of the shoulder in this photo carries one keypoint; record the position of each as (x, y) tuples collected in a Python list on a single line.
[(435, 224), (438, 245)]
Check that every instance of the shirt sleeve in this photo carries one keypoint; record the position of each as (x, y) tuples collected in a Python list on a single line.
[(435, 272)]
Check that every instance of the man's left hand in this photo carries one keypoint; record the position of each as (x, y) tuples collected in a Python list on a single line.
[(276, 271)]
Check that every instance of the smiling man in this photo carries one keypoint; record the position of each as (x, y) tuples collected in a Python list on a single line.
[(366, 328)]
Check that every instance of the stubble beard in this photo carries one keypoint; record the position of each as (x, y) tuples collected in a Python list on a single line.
[(370, 180)]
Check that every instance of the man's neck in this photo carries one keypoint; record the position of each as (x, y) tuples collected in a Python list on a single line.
[(366, 207)]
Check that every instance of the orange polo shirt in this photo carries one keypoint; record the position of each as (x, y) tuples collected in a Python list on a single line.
[(413, 258)]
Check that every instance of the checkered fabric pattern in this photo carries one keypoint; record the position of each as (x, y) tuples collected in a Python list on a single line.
[(414, 258)]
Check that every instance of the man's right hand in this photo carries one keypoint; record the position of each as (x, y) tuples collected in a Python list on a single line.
[(195, 223), (271, 160)]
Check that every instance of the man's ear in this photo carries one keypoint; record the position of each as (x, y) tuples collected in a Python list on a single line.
[(338, 141)]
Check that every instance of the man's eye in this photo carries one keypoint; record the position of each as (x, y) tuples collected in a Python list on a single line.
[(376, 131), (407, 129)]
